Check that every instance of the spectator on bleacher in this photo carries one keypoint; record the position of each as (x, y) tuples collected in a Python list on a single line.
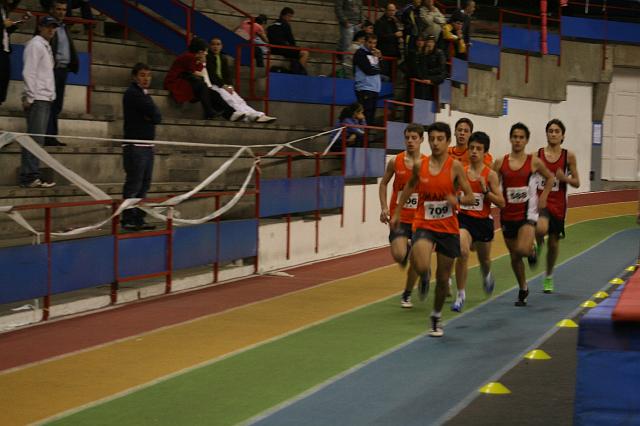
[(366, 63), (429, 64), (39, 92), (349, 15), (465, 15), (367, 27), (351, 115), (7, 26), (433, 18), (347, 65), (140, 118), (259, 36), (413, 25), (66, 60), (186, 84), (452, 36), (280, 33), (219, 79), (83, 5), (389, 36)]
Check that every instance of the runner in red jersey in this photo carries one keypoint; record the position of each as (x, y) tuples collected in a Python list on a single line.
[(460, 151), (476, 222), (400, 168), (520, 214), (435, 225), (563, 166)]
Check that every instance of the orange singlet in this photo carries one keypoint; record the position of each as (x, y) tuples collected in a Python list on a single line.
[(402, 176), (463, 156), (434, 211), (481, 209)]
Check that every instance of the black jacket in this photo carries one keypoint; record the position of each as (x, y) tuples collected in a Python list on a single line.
[(74, 63), (280, 33), (140, 114), (212, 61), (385, 28), (428, 66)]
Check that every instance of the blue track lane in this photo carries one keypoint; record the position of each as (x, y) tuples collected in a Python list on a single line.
[(421, 382)]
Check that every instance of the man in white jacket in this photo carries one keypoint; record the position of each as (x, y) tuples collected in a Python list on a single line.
[(38, 95)]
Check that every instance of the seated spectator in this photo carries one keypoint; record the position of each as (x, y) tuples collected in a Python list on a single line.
[(259, 36), (433, 19), (279, 33), (186, 85), (218, 78), (389, 36), (351, 115), (452, 35), (427, 63)]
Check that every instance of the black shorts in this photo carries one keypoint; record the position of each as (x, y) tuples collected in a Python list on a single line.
[(446, 244), (404, 230), (556, 226), (481, 230), (510, 227)]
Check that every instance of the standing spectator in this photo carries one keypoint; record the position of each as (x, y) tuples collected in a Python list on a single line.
[(429, 64), (219, 77), (349, 14), (389, 36), (39, 93), (66, 59), (366, 63), (367, 27), (433, 19), (7, 26), (347, 66), (83, 5), (279, 33), (351, 115), (452, 36), (140, 118), (413, 25), (259, 36), (465, 15), (186, 85)]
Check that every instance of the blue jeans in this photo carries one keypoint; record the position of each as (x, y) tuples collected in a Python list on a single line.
[(138, 166), (37, 120)]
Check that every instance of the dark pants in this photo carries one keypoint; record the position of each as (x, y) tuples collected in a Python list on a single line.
[(368, 99), (5, 74), (212, 103), (138, 166), (37, 119), (60, 75)]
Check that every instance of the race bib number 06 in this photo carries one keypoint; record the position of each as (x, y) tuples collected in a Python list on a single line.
[(437, 210), (518, 195), (477, 203), (412, 202)]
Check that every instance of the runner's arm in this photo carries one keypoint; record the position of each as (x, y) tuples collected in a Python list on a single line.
[(573, 179), (461, 178), (382, 190), (495, 194), (538, 166), (406, 193)]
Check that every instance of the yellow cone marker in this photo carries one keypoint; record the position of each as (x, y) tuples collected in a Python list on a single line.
[(567, 323), (631, 268), (494, 388), (537, 354), (600, 295), (616, 281), (589, 304)]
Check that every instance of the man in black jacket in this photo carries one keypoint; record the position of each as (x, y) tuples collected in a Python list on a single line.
[(389, 36), (140, 118), (280, 33), (428, 63), (66, 60)]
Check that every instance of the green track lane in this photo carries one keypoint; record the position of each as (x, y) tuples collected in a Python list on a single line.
[(239, 387)]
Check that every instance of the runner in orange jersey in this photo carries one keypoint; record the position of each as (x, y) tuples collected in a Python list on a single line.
[(520, 214), (435, 225), (476, 222), (460, 151), (400, 168), (563, 166)]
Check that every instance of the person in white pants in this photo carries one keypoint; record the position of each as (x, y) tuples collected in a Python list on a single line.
[(218, 78)]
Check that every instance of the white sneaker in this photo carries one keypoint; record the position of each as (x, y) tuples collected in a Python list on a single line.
[(265, 119), (236, 116), (37, 183)]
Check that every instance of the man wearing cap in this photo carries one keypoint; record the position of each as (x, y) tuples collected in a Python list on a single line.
[(38, 95)]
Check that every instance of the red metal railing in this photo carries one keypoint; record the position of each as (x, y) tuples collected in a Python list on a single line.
[(73, 20)]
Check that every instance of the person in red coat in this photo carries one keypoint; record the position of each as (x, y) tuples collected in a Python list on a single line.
[(186, 83)]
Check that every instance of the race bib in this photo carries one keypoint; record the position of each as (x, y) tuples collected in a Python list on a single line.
[(437, 210), (412, 202), (542, 181), (477, 204), (518, 195)]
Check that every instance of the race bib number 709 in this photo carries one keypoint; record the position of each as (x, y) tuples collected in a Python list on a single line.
[(437, 210)]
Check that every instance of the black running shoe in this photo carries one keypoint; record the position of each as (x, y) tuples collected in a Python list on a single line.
[(424, 285), (405, 300), (522, 298), (436, 327)]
